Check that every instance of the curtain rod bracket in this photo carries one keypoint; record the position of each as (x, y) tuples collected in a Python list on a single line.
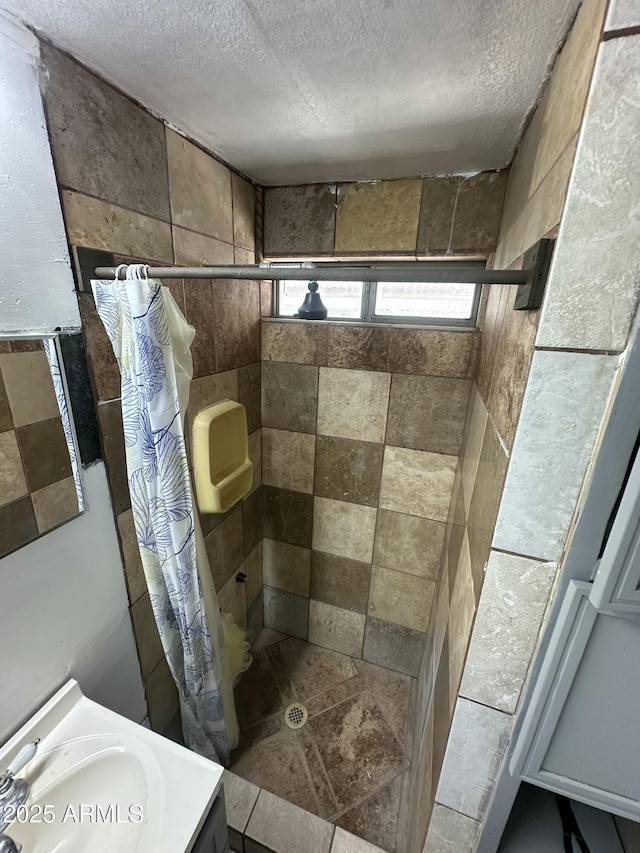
[(537, 263)]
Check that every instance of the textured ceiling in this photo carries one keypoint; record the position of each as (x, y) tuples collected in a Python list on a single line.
[(291, 91)]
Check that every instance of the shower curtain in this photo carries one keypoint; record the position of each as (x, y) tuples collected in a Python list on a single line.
[(151, 341)]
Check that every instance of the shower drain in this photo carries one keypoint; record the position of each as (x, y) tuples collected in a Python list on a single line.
[(295, 716)]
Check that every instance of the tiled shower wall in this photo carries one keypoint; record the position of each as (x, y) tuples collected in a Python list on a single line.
[(132, 187), (416, 218), (361, 433), (516, 589)]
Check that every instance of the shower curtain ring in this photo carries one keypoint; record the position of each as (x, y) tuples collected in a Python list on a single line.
[(117, 272)]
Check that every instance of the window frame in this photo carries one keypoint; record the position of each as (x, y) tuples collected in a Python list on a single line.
[(368, 302)]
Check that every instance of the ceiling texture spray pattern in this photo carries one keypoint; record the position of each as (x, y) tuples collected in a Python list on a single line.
[(296, 91)]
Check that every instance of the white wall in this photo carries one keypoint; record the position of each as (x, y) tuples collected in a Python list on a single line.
[(36, 285), (63, 601), (63, 613)]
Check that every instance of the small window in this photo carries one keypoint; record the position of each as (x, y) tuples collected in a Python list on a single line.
[(415, 303), (405, 301), (342, 299)]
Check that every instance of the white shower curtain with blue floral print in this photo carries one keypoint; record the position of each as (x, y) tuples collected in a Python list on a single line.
[(151, 342)]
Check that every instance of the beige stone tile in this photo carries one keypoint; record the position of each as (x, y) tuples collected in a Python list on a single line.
[(200, 189), (472, 445), (267, 637), (511, 369), (239, 798), (243, 256), (336, 694), (591, 296), (147, 638), (289, 396), (243, 214), (335, 628), (393, 646), (29, 387), (12, 479), (476, 745), (286, 566), (252, 521), (100, 225), (195, 250), (225, 547), (288, 459), (295, 341), (357, 347), (427, 412), (400, 598), (461, 611), (433, 353), (378, 217), (253, 570), (461, 215), (136, 582), (564, 404), (6, 421), (279, 825), (450, 832), (236, 321), (162, 697), (392, 692), (344, 736), (541, 214), (568, 87), (55, 504), (232, 599), (345, 842), (277, 764), (312, 669), (17, 525), (344, 529), (255, 454), (339, 581), (348, 470), (622, 14), (492, 326), (417, 482), (249, 379), (211, 389), (299, 220), (485, 501), (375, 819), (442, 709), (45, 453), (288, 516), (520, 184), (353, 403), (98, 136), (408, 543), (514, 597)]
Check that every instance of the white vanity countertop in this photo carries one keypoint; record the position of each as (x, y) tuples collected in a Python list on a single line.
[(91, 767)]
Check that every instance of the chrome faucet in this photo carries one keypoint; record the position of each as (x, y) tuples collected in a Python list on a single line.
[(14, 793)]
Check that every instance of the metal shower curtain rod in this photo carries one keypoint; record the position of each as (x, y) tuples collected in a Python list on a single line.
[(426, 271), (531, 280)]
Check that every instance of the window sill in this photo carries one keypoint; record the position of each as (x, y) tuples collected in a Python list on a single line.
[(433, 327)]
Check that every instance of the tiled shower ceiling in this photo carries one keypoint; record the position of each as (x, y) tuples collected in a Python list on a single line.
[(295, 91)]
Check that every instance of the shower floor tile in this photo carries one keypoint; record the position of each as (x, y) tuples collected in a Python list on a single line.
[(347, 763)]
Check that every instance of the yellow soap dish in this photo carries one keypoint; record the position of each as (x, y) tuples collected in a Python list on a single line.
[(222, 469)]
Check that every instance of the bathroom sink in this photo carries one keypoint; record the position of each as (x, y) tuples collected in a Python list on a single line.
[(100, 782)]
